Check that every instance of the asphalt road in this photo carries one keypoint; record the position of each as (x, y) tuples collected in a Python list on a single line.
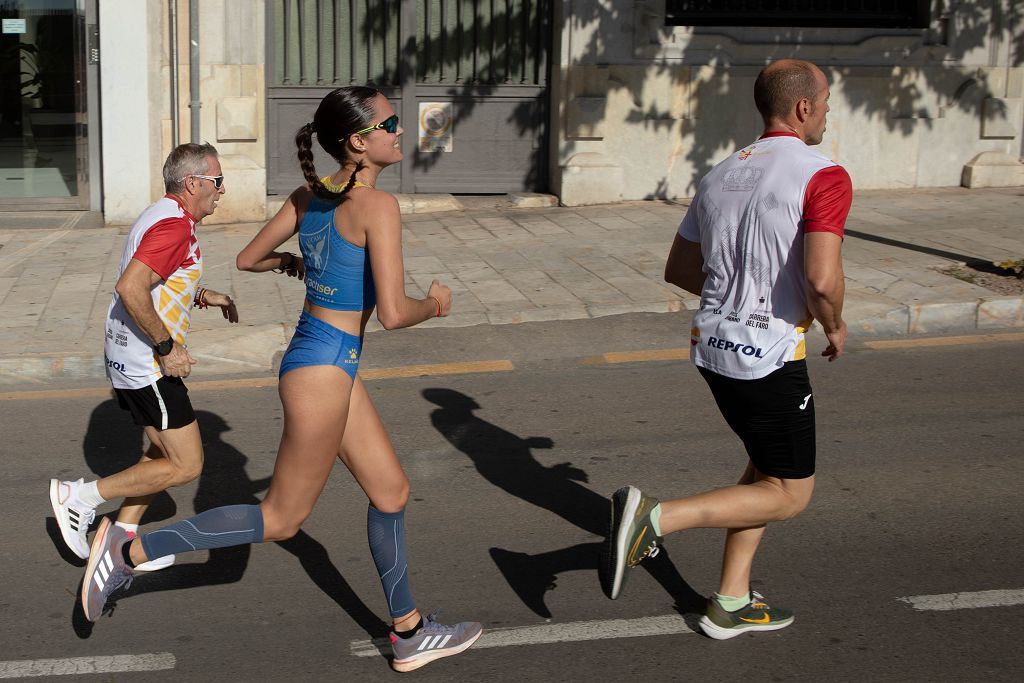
[(918, 494)]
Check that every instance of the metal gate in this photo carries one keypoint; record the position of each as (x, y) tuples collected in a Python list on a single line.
[(468, 79)]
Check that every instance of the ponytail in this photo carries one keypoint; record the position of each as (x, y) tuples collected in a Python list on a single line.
[(304, 142), (340, 111)]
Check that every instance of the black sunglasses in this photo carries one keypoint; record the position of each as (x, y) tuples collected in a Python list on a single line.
[(389, 125)]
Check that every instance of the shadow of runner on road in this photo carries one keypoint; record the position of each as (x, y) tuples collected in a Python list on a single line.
[(506, 461), (112, 443), (223, 481)]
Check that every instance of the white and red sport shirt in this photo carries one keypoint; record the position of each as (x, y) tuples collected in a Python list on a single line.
[(164, 238), (749, 215)]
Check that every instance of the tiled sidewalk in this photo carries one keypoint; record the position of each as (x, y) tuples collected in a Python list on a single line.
[(511, 265)]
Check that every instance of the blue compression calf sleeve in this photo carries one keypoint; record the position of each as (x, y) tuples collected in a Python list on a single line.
[(386, 534), (217, 528)]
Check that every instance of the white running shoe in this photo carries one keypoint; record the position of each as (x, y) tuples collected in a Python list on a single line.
[(73, 518), (154, 564)]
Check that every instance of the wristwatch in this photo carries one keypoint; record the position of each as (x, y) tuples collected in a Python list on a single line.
[(164, 347)]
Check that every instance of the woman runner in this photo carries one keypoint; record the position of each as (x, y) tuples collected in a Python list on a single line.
[(350, 237)]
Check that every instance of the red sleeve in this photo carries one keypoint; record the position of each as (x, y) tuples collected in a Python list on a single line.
[(164, 246), (827, 200)]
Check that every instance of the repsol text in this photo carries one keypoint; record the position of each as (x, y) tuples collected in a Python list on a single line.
[(726, 345)]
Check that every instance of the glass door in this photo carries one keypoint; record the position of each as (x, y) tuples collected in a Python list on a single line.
[(42, 105)]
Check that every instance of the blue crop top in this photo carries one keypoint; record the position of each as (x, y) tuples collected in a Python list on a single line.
[(338, 273)]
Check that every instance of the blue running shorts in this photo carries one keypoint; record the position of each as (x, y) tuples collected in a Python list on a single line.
[(317, 343)]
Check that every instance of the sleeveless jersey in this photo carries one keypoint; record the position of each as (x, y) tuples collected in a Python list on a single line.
[(164, 238), (338, 273), (749, 215)]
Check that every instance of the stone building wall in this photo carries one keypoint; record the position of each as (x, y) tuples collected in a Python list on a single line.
[(643, 110)]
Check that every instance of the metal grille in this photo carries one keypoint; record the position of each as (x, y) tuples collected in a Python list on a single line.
[(482, 42), (335, 42), (837, 13)]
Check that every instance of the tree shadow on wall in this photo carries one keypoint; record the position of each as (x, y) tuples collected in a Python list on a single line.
[(925, 86), (623, 51)]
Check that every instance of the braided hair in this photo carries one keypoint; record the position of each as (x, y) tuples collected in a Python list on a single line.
[(341, 112)]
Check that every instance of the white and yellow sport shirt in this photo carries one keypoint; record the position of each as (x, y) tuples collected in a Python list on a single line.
[(163, 238)]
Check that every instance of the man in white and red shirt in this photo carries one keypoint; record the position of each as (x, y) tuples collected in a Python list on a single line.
[(760, 244), (146, 358)]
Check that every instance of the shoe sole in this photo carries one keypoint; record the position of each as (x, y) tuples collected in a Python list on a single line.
[(617, 552), (428, 657), (713, 630), (90, 569), (155, 565), (63, 523)]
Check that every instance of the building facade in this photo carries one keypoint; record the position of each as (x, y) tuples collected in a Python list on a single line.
[(651, 93), (591, 100)]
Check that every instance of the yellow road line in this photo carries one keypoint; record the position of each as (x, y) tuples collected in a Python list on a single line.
[(945, 341), (55, 394), (637, 356), (260, 382), (439, 369), (471, 367)]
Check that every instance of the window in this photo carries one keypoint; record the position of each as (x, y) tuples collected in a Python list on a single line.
[(834, 13)]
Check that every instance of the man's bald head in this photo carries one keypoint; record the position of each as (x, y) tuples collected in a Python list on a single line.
[(782, 84)]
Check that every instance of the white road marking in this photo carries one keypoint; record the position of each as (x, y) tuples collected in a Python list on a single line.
[(553, 633), (951, 601), (77, 666)]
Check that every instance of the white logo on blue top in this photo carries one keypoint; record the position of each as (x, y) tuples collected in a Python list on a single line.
[(317, 249)]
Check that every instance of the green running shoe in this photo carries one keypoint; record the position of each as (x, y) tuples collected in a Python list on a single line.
[(757, 616), (631, 537)]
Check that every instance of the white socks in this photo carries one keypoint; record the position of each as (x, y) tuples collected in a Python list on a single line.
[(89, 494)]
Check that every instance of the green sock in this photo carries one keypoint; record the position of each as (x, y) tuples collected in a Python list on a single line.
[(732, 603), (655, 518)]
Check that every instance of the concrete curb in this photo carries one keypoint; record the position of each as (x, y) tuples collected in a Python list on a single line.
[(407, 203), (257, 349)]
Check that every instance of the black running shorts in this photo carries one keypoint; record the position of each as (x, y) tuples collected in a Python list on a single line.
[(773, 415), (163, 404)]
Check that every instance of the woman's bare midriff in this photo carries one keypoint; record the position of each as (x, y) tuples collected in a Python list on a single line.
[(353, 322)]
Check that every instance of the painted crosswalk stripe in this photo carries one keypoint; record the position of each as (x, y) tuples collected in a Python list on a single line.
[(78, 666), (951, 601), (553, 633)]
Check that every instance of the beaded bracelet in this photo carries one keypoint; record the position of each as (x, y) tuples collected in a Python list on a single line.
[(200, 298)]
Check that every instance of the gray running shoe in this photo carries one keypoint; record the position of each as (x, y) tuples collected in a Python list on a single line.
[(631, 537), (72, 518), (432, 641), (756, 616), (106, 571)]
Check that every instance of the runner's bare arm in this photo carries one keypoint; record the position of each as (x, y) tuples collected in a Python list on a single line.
[(384, 241), (826, 287), (260, 256), (134, 288), (222, 301), (685, 265)]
